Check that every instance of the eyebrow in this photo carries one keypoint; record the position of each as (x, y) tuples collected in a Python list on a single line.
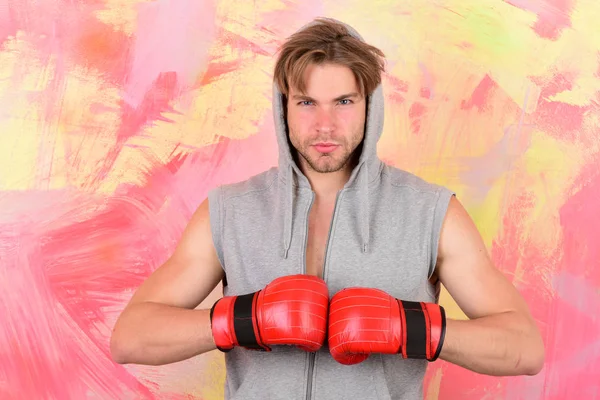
[(344, 96)]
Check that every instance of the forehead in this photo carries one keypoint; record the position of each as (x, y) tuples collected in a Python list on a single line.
[(327, 81)]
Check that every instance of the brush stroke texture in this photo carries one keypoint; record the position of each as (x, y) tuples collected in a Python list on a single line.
[(116, 119)]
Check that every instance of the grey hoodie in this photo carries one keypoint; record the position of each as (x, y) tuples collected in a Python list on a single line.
[(384, 234)]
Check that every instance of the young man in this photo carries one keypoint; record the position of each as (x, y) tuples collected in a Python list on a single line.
[(331, 262)]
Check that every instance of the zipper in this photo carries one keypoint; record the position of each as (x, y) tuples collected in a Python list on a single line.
[(311, 367), (335, 207), (311, 359), (311, 356), (312, 200)]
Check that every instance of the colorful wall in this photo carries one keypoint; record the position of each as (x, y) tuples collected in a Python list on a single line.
[(117, 117)]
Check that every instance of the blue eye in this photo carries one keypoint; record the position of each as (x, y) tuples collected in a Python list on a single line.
[(305, 103), (347, 100)]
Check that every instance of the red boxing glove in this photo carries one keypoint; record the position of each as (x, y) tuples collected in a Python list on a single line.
[(291, 310), (364, 321)]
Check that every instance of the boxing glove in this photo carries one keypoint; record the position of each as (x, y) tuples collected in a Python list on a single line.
[(291, 310), (364, 321)]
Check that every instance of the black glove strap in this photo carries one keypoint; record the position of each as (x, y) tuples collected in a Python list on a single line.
[(416, 334), (243, 322)]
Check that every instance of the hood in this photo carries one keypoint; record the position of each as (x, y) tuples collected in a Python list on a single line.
[(367, 169)]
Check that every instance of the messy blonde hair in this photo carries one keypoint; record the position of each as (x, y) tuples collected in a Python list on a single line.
[(327, 41)]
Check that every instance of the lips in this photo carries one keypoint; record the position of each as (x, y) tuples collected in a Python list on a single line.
[(325, 147)]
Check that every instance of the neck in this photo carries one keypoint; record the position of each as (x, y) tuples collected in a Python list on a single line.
[(327, 185)]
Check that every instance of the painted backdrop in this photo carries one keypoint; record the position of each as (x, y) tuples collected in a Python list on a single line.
[(117, 117)]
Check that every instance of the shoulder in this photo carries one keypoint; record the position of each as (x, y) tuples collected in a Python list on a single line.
[(407, 181), (252, 186)]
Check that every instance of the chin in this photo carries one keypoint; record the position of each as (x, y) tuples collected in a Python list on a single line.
[(324, 163), (327, 167)]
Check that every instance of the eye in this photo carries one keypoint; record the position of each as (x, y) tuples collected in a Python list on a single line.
[(345, 101), (305, 103)]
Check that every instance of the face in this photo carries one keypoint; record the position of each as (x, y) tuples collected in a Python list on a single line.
[(326, 123)]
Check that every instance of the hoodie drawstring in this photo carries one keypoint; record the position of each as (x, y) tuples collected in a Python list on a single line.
[(363, 200), (288, 216), (363, 209), (368, 160)]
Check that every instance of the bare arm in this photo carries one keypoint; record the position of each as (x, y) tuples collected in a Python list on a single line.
[(500, 337), (160, 325)]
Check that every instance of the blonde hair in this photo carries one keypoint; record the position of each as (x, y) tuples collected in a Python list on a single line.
[(327, 41)]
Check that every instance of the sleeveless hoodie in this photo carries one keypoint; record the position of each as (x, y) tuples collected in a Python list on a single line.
[(384, 234)]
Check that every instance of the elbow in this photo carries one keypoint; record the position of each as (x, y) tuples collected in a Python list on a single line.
[(537, 360), (533, 367), (122, 344), (117, 349), (534, 356), (122, 339)]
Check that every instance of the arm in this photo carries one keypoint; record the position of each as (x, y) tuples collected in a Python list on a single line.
[(500, 337), (160, 324)]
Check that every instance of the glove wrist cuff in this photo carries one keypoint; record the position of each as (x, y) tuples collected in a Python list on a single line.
[(221, 314), (234, 323), (424, 325)]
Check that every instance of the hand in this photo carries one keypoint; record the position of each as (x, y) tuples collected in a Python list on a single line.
[(291, 310), (364, 321)]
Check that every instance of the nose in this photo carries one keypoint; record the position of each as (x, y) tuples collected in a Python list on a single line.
[(325, 120)]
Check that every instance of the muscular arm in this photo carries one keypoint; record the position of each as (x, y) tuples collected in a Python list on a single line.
[(500, 337), (160, 324)]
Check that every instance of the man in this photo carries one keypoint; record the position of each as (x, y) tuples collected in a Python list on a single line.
[(332, 261)]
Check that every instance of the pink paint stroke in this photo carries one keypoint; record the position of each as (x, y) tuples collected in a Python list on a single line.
[(171, 38), (482, 95), (282, 23), (71, 260), (561, 120), (7, 27), (482, 172), (553, 15), (572, 328), (563, 310)]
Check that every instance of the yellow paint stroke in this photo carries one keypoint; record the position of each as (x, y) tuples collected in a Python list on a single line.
[(229, 106), (433, 389), (86, 122), (22, 78), (121, 14)]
